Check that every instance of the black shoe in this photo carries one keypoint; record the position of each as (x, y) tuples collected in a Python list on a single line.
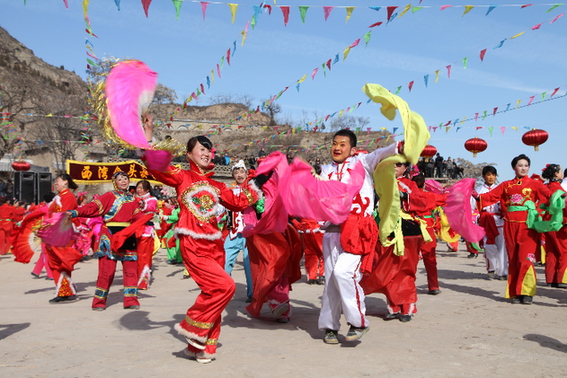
[(405, 318), (34, 275), (391, 315), (517, 300), (248, 300), (562, 286), (553, 284), (472, 255), (99, 308), (527, 299), (132, 307), (321, 280), (311, 281), (355, 333), (434, 292), (491, 275), (63, 299)]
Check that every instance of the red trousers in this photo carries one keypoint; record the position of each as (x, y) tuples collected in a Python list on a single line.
[(556, 256), (145, 249), (394, 276), (106, 271), (204, 260), (61, 261), (521, 245), (428, 253), (313, 249), (5, 236)]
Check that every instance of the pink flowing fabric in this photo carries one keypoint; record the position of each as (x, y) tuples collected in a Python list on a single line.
[(274, 218), (130, 87), (305, 196), (57, 231), (459, 211), (433, 186), (158, 160)]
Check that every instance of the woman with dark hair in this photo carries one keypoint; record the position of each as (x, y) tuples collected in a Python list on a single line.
[(62, 260), (201, 243), (145, 239), (555, 241), (120, 211), (519, 198)]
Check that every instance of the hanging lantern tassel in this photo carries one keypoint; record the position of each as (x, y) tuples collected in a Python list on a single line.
[(476, 145), (534, 138)]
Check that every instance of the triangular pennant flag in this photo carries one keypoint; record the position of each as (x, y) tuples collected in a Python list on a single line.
[(426, 79), (490, 9), (514, 128), (233, 7), (348, 13), (302, 79), (468, 8), (392, 18), (297, 86), (507, 107), (554, 91), (257, 10), (66, 2), (376, 24), (406, 9), (117, 2), (329, 64), (449, 71), (503, 128), (367, 37), (212, 76), (345, 53), (285, 12), (553, 7), (531, 99), (327, 11), (517, 35), (478, 127), (375, 8), (336, 60), (394, 130), (398, 90), (410, 85), (146, 6), (485, 114), (177, 5), (543, 95), (391, 10), (465, 60), (203, 88), (443, 7), (208, 82), (557, 18), (204, 5), (218, 71), (475, 117), (303, 11), (415, 9), (536, 26), (222, 62), (355, 43), (494, 111), (518, 103), (269, 8), (324, 69), (436, 76), (228, 56), (490, 129), (500, 44), (314, 73), (482, 53)]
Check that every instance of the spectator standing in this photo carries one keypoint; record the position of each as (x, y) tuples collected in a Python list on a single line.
[(439, 166)]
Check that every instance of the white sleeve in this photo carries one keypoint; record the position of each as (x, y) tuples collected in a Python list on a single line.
[(371, 160)]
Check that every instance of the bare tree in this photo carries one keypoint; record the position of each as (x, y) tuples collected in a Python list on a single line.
[(231, 98), (273, 109), (164, 95), (470, 169), (348, 121)]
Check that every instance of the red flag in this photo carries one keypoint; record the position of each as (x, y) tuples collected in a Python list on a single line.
[(269, 8), (494, 111), (479, 127), (391, 11), (482, 55), (329, 64), (410, 85), (285, 11), (203, 8), (146, 6), (228, 56), (327, 11), (525, 6), (555, 91), (376, 24), (449, 71)]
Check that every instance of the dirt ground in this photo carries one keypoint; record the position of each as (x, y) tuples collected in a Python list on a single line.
[(468, 330)]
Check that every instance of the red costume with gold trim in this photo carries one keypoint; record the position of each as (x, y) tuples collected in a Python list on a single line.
[(146, 243), (521, 242), (202, 248)]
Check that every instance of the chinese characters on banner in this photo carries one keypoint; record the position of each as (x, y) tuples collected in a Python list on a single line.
[(95, 173)]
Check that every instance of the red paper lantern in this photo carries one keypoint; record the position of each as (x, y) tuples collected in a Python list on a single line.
[(428, 151), (475, 145), (21, 166), (535, 137)]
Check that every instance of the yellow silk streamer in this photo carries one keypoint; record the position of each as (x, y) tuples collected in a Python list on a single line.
[(385, 183), (444, 231)]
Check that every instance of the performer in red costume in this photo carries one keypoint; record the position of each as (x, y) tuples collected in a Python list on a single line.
[(428, 249), (61, 260), (119, 210), (518, 197), (312, 242), (145, 240), (6, 213), (556, 241), (200, 241), (395, 275)]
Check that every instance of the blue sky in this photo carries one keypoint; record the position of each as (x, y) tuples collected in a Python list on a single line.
[(274, 56)]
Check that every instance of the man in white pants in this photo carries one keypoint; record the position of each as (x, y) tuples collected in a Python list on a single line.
[(490, 218), (342, 293)]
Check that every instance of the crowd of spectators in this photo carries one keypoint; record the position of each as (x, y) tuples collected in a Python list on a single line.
[(438, 167)]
